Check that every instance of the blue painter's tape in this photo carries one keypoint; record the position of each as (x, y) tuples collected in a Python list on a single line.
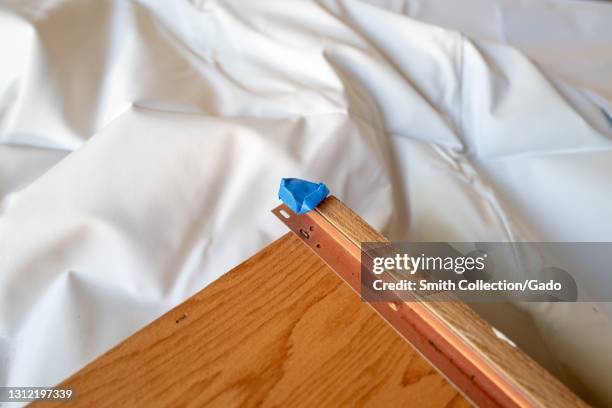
[(301, 196)]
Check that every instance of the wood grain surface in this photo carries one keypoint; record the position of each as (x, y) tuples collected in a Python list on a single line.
[(281, 329), (518, 369)]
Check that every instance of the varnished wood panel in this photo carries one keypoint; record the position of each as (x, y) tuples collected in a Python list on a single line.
[(533, 381), (281, 329)]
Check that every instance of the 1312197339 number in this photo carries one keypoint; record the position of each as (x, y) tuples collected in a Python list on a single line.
[(28, 394)]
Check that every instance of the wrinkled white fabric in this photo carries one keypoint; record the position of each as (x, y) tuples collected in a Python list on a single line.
[(142, 142)]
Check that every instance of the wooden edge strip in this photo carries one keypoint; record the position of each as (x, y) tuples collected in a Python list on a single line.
[(345, 259), (504, 373)]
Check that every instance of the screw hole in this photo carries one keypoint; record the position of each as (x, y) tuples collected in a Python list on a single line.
[(318, 245), (311, 228)]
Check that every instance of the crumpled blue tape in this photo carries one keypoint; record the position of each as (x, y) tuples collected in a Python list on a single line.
[(301, 196)]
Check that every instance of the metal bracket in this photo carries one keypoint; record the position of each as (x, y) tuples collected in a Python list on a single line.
[(460, 364)]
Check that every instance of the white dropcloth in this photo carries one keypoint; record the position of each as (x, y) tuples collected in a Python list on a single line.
[(142, 143)]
